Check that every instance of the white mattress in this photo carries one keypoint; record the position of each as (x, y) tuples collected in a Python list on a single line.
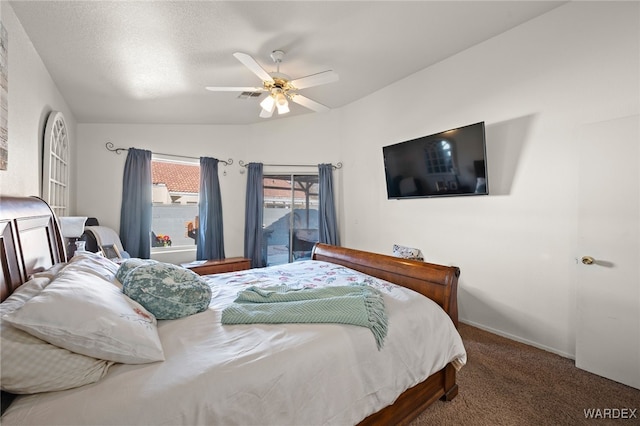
[(282, 374)]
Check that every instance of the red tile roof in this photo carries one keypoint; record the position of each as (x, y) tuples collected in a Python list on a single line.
[(272, 192), (186, 178), (178, 177), (272, 189)]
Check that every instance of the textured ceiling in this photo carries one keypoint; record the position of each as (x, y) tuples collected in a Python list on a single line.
[(149, 61)]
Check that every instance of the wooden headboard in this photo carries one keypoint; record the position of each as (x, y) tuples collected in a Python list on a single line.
[(30, 240), (438, 282)]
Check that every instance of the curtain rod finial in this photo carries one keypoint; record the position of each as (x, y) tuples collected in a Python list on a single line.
[(111, 147)]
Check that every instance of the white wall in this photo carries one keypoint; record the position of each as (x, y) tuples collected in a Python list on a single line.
[(32, 96), (307, 140), (533, 86)]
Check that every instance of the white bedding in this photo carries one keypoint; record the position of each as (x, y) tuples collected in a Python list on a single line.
[(277, 374)]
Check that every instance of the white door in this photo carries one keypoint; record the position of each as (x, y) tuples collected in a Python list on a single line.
[(608, 289)]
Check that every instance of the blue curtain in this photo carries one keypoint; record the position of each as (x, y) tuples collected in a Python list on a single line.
[(327, 223), (253, 235), (210, 232), (135, 211)]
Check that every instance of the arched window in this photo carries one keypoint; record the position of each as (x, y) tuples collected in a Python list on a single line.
[(439, 156), (55, 164)]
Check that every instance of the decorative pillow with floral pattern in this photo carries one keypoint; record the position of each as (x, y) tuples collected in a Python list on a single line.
[(129, 265), (167, 291), (407, 252)]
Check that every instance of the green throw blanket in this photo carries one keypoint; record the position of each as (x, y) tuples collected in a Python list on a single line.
[(356, 305)]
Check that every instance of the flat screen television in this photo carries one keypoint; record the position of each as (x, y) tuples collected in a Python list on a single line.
[(444, 164)]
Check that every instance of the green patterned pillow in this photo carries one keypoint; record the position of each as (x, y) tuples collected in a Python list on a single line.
[(167, 291), (129, 265)]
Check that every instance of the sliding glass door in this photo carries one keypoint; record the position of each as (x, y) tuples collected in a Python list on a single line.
[(290, 217)]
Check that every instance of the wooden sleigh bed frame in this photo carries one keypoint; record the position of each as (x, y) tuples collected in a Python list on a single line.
[(30, 241)]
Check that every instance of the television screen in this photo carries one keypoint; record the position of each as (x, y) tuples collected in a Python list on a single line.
[(448, 163)]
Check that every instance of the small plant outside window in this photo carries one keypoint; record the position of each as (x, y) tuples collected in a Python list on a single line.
[(162, 241)]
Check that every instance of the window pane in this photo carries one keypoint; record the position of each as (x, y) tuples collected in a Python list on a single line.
[(176, 186), (439, 157), (290, 217), (55, 185)]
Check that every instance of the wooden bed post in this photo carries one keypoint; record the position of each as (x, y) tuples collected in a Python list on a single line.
[(450, 385)]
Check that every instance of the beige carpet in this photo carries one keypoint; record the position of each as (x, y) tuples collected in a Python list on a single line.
[(510, 383)]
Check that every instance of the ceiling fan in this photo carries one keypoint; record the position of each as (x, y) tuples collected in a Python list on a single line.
[(280, 87)]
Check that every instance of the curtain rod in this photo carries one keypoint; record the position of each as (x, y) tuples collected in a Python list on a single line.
[(111, 147), (336, 166)]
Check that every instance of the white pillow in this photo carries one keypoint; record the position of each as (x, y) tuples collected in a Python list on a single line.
[(93, 263), (87, 314), (31, 365)]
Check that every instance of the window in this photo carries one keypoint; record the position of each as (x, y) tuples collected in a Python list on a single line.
[(290, 213), (175, 195), (55, 167)]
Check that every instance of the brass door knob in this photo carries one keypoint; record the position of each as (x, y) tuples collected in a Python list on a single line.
[(588, 260)]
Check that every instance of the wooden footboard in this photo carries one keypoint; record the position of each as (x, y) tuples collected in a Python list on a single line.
[(437, 282)]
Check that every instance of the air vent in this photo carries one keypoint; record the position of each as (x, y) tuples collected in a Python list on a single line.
[(248, 95)]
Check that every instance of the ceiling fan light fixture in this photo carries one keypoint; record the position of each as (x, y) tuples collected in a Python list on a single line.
[(267, 114), (268, 103), (281, 103), (280, 99), (283, 108)]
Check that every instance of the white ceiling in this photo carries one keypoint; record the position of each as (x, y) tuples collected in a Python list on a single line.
[(149, 61)]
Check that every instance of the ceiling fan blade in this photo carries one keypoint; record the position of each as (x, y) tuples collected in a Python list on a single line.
[(235, 89), (315, 79), (308, 103), (251, 63)]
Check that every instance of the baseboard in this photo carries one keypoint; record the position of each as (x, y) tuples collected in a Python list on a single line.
[(518, 339)]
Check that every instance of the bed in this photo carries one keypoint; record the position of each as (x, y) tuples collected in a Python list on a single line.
[(31, 248)]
